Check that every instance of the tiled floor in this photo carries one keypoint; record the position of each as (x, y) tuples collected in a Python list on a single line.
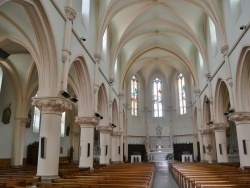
[(163, 178)]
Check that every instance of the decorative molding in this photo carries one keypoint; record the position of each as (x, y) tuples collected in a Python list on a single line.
[(70, 13), (239, 116), (51, 104), (87, 122), (206, 132), (116, 134), (220, 126), (104, 129), (224, 50), (97, 57), (197, 92)]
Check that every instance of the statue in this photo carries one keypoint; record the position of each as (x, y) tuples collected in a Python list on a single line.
[(158, 131)]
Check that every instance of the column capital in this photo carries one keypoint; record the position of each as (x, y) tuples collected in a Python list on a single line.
[(116, 134), (51, 104), (121, 95), (104, 129), (197, 91), (208, 76), (206, 132), (70, 13), (97, 57), (224, 50), (87, 122), (220, 127), (239, 117), (111, 81)]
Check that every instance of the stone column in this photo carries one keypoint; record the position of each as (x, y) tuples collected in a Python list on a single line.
[(51, 109), (105, 132), (207, 141), (224, 51), (87, 125), (66, 53), (116, 147), (75, 143), (221, 141), (242, 122), (18, 141), (96, 80), (199, 123), (121, 101)]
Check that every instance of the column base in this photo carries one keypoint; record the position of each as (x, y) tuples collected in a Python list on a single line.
[(18, 166), (48, 178), (116, 162)]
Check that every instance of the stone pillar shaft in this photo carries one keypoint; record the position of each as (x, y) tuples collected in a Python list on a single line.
[(87, 125), (105, 132), (221, 142), (115, 143), (242, 122), (18, 141), (51, 109), (207, 142)]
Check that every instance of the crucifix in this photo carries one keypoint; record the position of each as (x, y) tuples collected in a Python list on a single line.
[(209, 148)]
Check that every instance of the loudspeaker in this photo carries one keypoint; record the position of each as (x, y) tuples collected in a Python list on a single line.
[(204, 150), (119, 149), (88, 154), (244, 147), (3, 54), (220, 149), (106, 152), (43, 147)]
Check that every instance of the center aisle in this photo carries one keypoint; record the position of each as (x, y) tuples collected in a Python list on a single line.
[(163, 178)]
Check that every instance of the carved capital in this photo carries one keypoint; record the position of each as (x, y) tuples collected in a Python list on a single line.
[(56, 105), (197, 92), (230, 82), (121, 95), (208, 76), (239, 117), (104, 129), (65, 55), (96, 88), (70, 13), (206, 132), (111, 81), (220, 127), (97, 57), (224, 50), (87, 122), (116, 134)]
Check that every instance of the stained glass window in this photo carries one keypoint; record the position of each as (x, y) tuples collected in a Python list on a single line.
[(157, 97), (134, 95), (182, 94)]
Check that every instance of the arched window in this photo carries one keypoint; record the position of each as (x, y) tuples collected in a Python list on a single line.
[(236, 9), (182, 94), (134, 95), (36, 119), (157, 97), (85, 13), (105, 41), (63, 124), (201, 65), (213, 36)]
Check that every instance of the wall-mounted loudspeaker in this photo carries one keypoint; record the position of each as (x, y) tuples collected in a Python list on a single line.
[(3, 54), (88, 154), (43, 147)]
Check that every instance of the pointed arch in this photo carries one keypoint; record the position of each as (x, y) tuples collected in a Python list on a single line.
[(243, 81), (102, 105), (83, 86)]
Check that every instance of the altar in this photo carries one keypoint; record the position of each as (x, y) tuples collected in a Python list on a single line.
[(159, 149)]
